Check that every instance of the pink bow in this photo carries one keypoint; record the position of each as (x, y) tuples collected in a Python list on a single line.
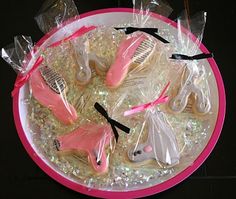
[(76, 34), (22, 79), (161, 99)]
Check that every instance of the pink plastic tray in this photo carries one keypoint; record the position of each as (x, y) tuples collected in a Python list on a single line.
[(20, 114)]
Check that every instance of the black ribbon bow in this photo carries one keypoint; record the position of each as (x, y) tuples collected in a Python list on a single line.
[(112, 122), (150, 31), (195, 57)]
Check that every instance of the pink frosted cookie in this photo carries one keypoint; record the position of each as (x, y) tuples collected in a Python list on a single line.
[(134, 49), (91, 139), (48, 88)]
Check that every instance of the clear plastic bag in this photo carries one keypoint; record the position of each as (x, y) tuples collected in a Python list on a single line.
[(54, 12), (19, 53), (161, 143), (137, 50), (84, 56), (144, 8), (194, 79)]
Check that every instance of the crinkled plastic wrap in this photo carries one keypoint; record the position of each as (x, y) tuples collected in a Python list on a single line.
[(19, 53), (114, 107), (54, 12), (47, 86), (194, 79)]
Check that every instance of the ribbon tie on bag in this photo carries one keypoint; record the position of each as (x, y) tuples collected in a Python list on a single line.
[(194, 57), (112, 122), (161, 99), (150, 31), (22, 79), (76, 34)]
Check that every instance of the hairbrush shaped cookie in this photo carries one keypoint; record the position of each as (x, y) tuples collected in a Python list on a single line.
[(161, 144), (48, 87), (132, 50), (202, 102), (91, 139)]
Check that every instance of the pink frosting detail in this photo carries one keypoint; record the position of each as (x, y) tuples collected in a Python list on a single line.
[(91, 139), (119, 69), (59, 106), (147, 149)]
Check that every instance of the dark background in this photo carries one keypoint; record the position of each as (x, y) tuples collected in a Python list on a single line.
[(216, 178)]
